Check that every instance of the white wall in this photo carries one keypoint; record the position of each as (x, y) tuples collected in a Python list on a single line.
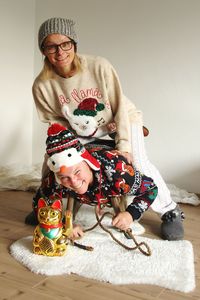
[(16, 76), (155, 48)]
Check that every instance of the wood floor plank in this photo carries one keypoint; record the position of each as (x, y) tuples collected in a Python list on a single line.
[(19, 291)]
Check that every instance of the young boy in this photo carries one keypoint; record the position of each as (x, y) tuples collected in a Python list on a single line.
[(93, 177)]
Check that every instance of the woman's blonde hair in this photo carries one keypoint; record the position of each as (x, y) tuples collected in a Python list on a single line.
[(48, 71)]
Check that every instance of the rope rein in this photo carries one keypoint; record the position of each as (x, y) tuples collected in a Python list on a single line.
[(128, 232)]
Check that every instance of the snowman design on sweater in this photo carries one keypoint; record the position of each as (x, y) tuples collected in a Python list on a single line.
[(86, 119)]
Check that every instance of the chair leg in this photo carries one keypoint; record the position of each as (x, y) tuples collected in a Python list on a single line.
[(70, 203), (73, 206), (119, 203)]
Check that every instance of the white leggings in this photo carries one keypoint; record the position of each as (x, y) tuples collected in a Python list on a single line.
[(163, 201)]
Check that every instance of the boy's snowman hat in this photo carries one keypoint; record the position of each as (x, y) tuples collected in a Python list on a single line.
[(65, 150)]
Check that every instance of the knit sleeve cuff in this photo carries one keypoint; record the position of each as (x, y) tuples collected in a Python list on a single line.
[(135, 213)]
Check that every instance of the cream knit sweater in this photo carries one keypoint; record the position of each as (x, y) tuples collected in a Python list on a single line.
[(88, 101)]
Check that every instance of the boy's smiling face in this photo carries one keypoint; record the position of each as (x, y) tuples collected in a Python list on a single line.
[(77, 177)]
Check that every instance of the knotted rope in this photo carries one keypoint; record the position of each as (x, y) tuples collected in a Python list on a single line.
[(128, 232)]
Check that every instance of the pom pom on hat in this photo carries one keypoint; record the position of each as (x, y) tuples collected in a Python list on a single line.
[(55, 129), (64, 149)]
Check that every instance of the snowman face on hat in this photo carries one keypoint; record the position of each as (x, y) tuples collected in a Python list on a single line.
[(65, 151), (65, 158)]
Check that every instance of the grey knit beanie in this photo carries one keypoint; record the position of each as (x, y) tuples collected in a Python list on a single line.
[(57, 25)]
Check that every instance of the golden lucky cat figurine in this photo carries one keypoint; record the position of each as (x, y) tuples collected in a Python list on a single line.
[(51, 236)]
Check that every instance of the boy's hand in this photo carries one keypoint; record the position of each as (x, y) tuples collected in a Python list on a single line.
[(77, 232), (123, 220)]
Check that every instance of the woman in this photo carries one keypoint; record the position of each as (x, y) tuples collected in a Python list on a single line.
[(84, 92)]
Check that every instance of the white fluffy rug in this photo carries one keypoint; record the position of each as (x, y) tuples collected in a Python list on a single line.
[(171, 264)]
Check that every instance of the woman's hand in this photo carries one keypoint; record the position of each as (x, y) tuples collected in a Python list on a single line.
[(123, 220), (128, 156), (111, 127)]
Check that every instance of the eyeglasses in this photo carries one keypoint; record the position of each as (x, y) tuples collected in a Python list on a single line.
[(65, 46)]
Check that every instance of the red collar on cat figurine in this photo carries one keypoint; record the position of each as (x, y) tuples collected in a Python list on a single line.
[(59, 225)]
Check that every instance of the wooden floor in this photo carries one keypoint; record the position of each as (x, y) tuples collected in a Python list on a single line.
[(17, 282)]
